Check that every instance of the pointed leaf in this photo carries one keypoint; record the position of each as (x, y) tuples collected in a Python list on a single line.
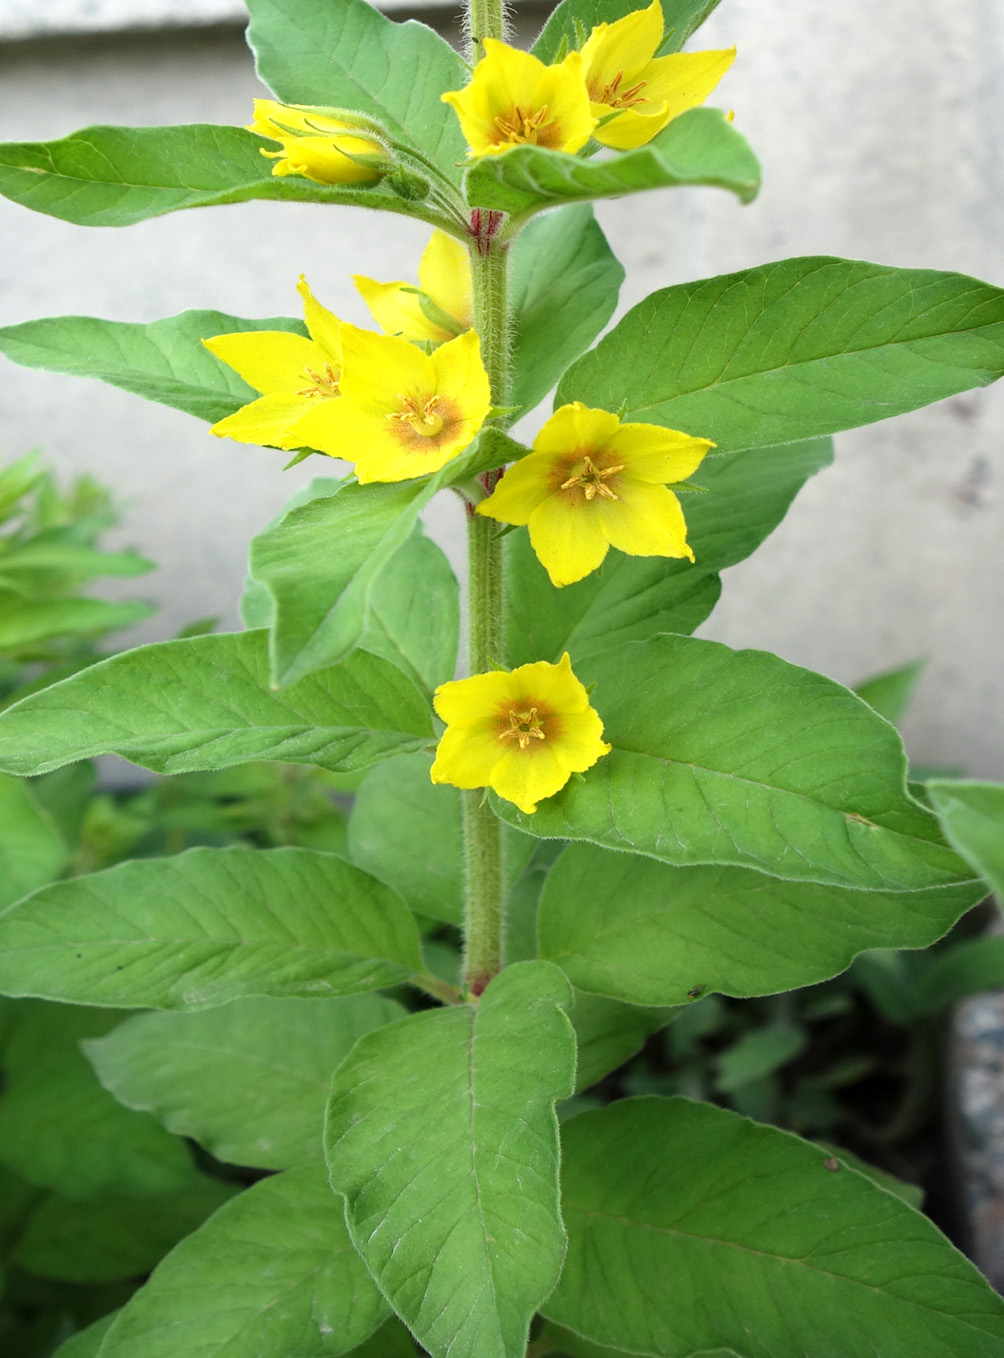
[(889, 693), (565, 281), (413, 617), (32, 851), (630, 597), (163, 361), (25, 623), (202, 1074), (699, 147), (206, 927), (273, 1273), (794, 349), (670, 1203), (204, 703), (647, 933), (972, 816), (442, 1137), (738, 758)]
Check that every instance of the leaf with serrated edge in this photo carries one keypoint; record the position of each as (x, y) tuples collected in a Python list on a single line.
[(442, 1137), (670, 1202), (202, 1074), (793, 350), (645, 932), (205, 703), (738, 758), (273, 1273), (972, 816), (206, 927)]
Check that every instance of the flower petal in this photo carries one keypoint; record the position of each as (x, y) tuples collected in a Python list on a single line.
[(269, 360), (685, 79), (465, 702), (524, 487), (324, 326), (567, 537), (397, 310), (376, 369), (444, 274), (467, 758), (646, 520), (461, 377), (527, 776), (265, 421), (579, 745), (623, 48), (576, 428), (651, 453)]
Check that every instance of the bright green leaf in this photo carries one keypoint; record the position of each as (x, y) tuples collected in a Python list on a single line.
[(87, 1343), (738, 758), (25, 623), (794, 349), (681, 19), (32, 851), (699, 147), (442, 1137), (50, 552), (972, 817), (608, 1033), (273, 1274), (202, 1074), (631, 597), (205, 703), (206, 927), (647, 933), (671, 1203), (890, 692), (565, 281), (414, 612)]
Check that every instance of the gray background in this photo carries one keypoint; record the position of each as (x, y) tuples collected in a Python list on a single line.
[(879, 131)]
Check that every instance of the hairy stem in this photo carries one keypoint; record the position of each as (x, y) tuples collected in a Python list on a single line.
[(486, 19)]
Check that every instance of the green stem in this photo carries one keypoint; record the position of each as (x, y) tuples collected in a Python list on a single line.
[(487, 20)]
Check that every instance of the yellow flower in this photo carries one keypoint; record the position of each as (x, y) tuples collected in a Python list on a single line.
[(404, 413), (444, 283), (318, 147), (522, 733), (592, 483), (514, 99), (299, 379), (626, 78)]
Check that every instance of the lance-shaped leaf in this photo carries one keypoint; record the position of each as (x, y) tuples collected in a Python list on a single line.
[(116, 176), (738, 758), (671, 1203), (32, 851), (572, 18), (348, 55), (206, 927), (794, 349), (273, 1273), (631, 597), (442, 1137), (565, 281), (413, 612), (205, 703), (202, 1074), (972, 816), (25, 623), (699, 147), (647, 933)]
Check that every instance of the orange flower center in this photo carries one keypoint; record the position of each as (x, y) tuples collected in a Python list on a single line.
[(523, 726), (614, 97), (323, 385), (521, 126), (593, 480), (420, 414)]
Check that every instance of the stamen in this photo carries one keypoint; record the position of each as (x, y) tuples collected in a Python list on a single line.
[(325, 384), (613, 96), (518, 125), (592, 480), (524, 727), (419, 413)]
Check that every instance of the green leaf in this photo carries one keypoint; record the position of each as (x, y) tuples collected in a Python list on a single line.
[(87, 1343), (631, 597), (392, 1340), (759, 1052), (794, 349), (972, 817), (647, 933), (681, 19), (163, 361), (49, 552), (117, 176), (414, 612), (206, 927), (670, 1203), (608, 1033), (202, 1074), (104, 1239), (699, 147), (32, 851), (273, 1274), (349, 55), (30, 622), (60, 1130), (890, 692), (205, 703), (565, 281), (738, 758), (442, 1137)]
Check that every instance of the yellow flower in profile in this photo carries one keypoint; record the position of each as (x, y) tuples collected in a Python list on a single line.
[(404, 413), (514, 99), (522, 733), (626, 78), (439, 308), (318, 147), (592, 483), (298, 378)]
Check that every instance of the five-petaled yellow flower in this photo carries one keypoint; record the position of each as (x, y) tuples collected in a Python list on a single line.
[(626, 78), (299, 379), (404, 413), (592, 483), (318, 147), (514, 99), (522, 733), (439, 308)]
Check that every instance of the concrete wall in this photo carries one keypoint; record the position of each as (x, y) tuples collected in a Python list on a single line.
[(879, 131)]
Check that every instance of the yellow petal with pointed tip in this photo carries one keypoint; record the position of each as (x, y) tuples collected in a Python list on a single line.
[(444, 275), (264, 421), (651, 453), (625, 46), (268, 360), (398, 310), (644, 520), (324, 326)]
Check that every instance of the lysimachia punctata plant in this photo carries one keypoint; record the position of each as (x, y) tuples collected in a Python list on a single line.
[(614, 816)]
